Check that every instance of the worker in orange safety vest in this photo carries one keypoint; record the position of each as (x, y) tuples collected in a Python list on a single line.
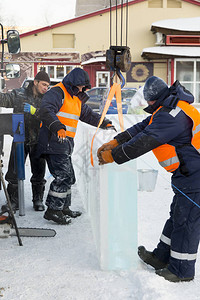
[(173, 133), (61, 109)]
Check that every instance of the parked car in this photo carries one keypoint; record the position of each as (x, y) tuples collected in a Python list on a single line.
[(96, 95), (127, 94), (53, 81)]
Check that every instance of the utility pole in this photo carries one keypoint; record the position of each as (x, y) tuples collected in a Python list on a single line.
[(2, 80)]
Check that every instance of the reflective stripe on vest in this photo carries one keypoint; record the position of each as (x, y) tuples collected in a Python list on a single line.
[(166, 154), (70, 111)]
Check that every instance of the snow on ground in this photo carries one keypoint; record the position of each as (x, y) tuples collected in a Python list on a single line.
[(65, 267)]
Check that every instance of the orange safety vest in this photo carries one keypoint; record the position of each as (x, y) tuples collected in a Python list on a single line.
[(70, 111), (166, 154)]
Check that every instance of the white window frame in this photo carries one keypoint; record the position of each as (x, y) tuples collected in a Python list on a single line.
[(103, 72), (194, 82), (45, 67)]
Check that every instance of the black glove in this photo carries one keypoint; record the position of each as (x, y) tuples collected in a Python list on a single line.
[(107, 124)]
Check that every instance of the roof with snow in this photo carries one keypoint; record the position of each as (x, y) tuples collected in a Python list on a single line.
[(184, 24), (94, 60), (170, 52), (177, 26)]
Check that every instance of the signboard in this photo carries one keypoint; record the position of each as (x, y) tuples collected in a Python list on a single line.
[(139, 72)]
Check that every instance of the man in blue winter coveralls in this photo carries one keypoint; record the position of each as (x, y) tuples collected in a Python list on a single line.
[(61, 109), (173, 133)]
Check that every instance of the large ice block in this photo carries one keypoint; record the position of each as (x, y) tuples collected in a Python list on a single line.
[(118, 216), (109, 194)]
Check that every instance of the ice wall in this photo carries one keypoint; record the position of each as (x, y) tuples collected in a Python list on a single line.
[(109, 194)]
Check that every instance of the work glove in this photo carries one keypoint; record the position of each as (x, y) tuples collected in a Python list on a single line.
[(107, 124), (29, 108), (106, 157), (62, 135), (110, 126), (107, 146)]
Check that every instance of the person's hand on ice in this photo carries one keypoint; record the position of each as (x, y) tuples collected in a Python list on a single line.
[(105, 157)]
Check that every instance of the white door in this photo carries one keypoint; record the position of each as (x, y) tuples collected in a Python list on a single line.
[(103, 79)]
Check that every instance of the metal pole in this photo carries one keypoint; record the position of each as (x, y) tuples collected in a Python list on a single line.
[(10, 206), (2, 56), (21, 197), (21, 177), (2, 45)]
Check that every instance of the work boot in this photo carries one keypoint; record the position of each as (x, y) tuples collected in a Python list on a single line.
[(68, 212), (165, 273), (38, 193), (12, 190), (14, 206), (56, 216), (150, 259)]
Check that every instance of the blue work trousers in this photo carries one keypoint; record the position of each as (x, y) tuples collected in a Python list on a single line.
[(179, 241), (61, 168)]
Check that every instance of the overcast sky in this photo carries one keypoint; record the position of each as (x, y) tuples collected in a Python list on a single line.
[(35, 13)]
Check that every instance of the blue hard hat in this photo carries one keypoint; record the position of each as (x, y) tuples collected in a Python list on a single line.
[(154, 87)]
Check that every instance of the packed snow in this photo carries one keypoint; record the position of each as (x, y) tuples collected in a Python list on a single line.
[(66, 267), (173, 50), (184, 24)]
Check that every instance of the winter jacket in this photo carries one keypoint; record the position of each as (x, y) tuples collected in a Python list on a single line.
[(16, 100), (51, 105), (169, 126)]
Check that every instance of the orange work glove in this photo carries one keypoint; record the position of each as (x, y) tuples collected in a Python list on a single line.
[(107, 146), (61, 135), (106, 157)]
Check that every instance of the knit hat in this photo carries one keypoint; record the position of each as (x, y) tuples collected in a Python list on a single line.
[(42, 76)]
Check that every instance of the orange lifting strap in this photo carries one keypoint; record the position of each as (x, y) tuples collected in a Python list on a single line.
[(114, 90)]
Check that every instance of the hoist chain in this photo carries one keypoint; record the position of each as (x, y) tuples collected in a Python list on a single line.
[(118, 57)]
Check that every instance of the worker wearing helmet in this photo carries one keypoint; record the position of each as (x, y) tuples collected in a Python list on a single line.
[(173, 133)]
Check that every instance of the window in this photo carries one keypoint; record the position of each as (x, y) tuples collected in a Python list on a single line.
[(63, 40), (50, 71), (174, 4), (183, 40), (155, 3), (59, 71), (165, 3), (187, 71), (103, 79), (56, 71)]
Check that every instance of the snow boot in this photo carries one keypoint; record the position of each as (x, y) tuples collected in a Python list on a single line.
[(12, 190), (165, 273), (38, 193), (56, 216), (68, 212), (150, 259)]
